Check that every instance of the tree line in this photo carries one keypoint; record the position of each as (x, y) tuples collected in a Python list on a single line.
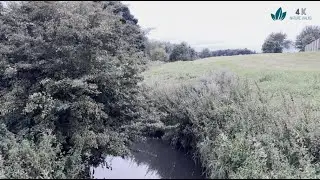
[(169, 52)]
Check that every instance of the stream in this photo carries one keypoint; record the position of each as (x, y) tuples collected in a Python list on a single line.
[(152, 159)]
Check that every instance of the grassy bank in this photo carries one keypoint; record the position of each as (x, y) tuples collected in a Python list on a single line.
[(256, 118), (295, 73)]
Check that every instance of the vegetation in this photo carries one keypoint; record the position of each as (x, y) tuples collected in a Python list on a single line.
[(227, 52), (205, 53), (167, 52), (307, 35), (182, 52), (72, 91), (231, 52), (69, 75), (275, 43), (158, 51), (261, 123)]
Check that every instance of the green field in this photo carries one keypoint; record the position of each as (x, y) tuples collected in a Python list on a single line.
[(294, 73)]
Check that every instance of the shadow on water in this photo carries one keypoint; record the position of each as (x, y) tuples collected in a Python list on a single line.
[(151, 159)]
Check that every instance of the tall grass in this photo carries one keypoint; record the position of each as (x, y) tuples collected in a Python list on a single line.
[(239, 131)]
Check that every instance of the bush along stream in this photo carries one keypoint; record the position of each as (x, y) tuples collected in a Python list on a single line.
[(69, 74), (235, 128), (153, 153)]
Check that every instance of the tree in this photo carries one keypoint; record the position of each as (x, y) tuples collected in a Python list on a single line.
[(70, 68), (306, 36), (168, 47), (275, 43), (182, 52), (159, 54), (205, 53), (156, 51)]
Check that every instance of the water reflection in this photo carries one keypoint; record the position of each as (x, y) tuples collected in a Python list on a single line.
[(152, 159), (124, 168)]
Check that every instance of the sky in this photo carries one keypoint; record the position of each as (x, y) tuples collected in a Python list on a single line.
[(221, 25)]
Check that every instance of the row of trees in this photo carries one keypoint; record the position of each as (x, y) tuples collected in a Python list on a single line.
[(276, 42), (226, 52), (165, 51)]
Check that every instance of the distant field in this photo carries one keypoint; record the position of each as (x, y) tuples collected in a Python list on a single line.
[(294, 73)]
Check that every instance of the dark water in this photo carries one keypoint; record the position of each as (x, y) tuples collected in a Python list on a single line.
[(152, 159)]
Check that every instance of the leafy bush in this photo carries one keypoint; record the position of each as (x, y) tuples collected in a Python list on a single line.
[(72, 68), (237, 130), (25, 158), (182, 52)]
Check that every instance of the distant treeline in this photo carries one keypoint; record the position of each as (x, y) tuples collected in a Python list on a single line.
[(226, 52), (275, 42), (169, 52)]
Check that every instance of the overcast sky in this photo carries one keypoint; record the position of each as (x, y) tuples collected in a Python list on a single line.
[(220, 25)]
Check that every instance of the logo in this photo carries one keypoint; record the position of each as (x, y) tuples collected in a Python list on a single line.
[(279, 15), (301, 14)]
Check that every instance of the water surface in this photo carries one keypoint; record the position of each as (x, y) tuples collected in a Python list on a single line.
[(152, 159)]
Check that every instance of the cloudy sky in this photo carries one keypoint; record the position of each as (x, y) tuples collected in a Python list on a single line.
[(220, 25)]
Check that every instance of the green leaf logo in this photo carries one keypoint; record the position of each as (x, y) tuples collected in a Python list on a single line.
[(279, 15), (283, 15)]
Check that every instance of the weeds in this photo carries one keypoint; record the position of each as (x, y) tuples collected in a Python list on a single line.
[(237, 131)]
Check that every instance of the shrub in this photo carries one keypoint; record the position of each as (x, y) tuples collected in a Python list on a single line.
[(73, 68), (237, 132)]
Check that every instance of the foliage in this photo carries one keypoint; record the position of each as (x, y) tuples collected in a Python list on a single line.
[(166, 51), (205, 53), (42, 158), (306, 36), (231, 52), (162, 51), (275, 43), (182, 52), (159, 54), (237, 130), (157, 51), (71, 68), (225, 52)]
